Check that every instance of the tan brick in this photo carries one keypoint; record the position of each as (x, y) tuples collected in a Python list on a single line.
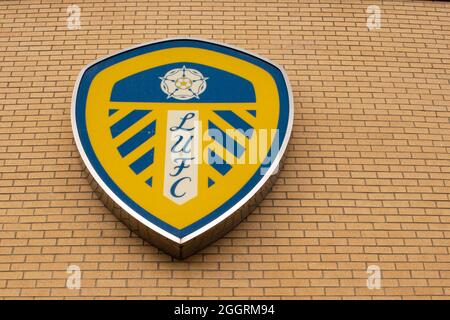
[(366, 179)]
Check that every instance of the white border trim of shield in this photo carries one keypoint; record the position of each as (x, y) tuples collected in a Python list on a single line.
[(230, 211)]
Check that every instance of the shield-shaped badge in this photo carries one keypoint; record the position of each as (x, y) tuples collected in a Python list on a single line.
[(182, 138)]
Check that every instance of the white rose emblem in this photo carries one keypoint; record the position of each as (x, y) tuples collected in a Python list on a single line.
[(183, 83)]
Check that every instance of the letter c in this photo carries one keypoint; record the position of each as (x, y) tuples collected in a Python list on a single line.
[(174, 186)]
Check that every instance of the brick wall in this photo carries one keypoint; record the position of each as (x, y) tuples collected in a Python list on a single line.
[(367, 178)]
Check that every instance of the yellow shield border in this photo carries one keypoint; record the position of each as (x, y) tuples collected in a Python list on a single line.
[(144, 223)]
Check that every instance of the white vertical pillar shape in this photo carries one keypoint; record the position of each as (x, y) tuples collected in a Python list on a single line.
[(181, 161)]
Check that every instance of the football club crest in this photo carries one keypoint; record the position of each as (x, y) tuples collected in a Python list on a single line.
[(182, 138)]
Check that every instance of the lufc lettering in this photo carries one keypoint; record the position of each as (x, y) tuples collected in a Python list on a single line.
[(182, 145), (181, 170)]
